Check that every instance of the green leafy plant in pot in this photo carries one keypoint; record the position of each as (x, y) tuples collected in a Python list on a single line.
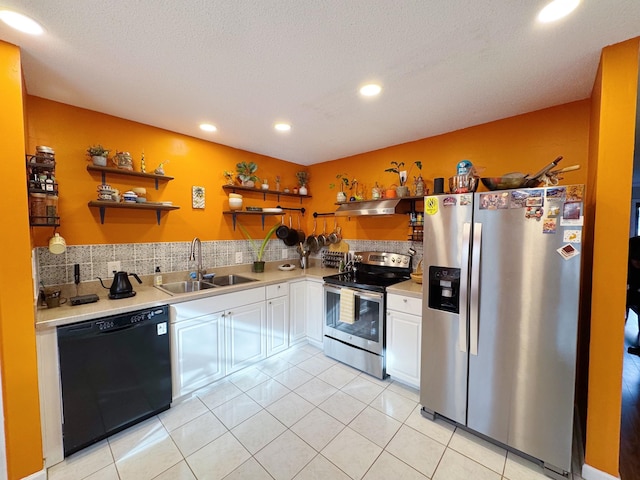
[(397, 167), (258, 249), (98, 154), (343, 181), (246, 173)]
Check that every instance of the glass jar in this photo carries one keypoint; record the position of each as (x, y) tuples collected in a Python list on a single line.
[(45, 155), (52, 209), (38, 207)]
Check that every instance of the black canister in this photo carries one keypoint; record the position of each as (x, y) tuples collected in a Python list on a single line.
[(438, 185)]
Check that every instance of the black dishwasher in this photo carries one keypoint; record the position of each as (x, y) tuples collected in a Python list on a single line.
[(115, 372)]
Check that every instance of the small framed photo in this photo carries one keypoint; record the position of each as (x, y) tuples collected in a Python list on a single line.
[(197, 197)]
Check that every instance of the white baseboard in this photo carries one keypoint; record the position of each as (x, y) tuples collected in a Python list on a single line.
[(590, 473), (41, 475)]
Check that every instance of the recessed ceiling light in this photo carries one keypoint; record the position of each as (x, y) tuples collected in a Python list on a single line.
[(282, 127), (370, 90), (207, 127), (21, 22), (556, 10)]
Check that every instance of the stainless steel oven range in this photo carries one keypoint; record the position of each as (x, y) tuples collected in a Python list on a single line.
[(355, 309)]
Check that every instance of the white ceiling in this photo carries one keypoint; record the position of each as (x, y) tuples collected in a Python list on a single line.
[(245, 64)]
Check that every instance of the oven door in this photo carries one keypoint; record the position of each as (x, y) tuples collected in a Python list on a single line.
[(367, 330)]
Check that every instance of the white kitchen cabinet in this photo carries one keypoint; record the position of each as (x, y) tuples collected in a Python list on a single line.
[(404, 334), (277, 318), (246, 336), (198, 353), (314, 312), (297, 311), (200, 337)]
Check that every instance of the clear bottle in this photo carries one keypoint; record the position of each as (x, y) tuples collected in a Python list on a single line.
[(157, 279)]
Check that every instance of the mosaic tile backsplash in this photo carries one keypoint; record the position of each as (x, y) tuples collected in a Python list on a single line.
[(143, 258)]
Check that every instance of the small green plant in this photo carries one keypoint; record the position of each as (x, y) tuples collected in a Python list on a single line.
[(246, 172), (259, 249), (343, 181), (396, 167), (97, 151), (303, 177)]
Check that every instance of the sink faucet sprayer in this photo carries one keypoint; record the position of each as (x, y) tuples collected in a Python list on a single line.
[(197, 275)]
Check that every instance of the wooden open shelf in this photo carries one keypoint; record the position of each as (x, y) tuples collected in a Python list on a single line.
[(103, 205)]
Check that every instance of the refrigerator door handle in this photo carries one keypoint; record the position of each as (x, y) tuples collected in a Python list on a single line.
[(464, 283), (474, 304)]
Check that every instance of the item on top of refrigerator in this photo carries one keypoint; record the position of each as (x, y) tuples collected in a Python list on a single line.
[(464, 167)]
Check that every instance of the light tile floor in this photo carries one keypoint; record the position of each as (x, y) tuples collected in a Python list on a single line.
[(296, 415)]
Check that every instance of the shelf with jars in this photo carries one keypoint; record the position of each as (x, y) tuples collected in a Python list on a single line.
[(102, 205), (264, 192), (42, 188)]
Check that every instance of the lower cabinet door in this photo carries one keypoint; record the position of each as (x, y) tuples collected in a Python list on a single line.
[(297, 312), (277, 325), (198, 353), (315, 312), (246, 336), (404, 334)]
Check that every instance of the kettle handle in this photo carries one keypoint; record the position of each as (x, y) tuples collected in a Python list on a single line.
[(136, 277)]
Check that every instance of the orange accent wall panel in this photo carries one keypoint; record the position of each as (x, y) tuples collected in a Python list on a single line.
[(17, 330)]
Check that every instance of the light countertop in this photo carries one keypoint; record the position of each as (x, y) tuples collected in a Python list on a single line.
[(408, 288), (148, 296)]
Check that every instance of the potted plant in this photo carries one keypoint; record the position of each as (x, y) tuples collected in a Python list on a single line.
[(303, 179), (343, 181), (258, 264), (98, 154), (396, 167), (246, 173)]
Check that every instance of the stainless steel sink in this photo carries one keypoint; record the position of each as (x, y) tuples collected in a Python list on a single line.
[(185, 287), (226, 280)]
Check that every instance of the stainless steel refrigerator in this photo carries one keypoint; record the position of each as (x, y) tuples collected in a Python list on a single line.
[(500, 316)]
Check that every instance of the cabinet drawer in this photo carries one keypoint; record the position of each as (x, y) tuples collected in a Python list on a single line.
[(402, 303), (277, 290)]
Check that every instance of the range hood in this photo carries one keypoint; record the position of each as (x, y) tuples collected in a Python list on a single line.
[(373, 207)]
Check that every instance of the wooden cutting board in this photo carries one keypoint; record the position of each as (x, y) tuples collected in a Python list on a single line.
[(341, 246)]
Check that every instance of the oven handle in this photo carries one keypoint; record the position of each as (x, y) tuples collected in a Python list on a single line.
[(367, 295)]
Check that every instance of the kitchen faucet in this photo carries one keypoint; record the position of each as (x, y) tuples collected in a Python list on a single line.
[(192, 256)]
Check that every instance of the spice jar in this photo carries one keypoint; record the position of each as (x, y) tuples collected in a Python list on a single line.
[(52, 209), (45, 155), (38, 207)]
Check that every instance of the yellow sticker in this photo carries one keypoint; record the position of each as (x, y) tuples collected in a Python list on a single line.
[(431, 205)]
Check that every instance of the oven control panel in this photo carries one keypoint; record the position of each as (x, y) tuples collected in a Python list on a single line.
[(383, 259)]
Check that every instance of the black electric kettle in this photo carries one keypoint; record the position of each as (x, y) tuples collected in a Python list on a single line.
[(121, 286)]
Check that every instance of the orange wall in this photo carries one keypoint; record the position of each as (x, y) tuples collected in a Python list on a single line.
[(17, 333), (523, 143), (611, 167), (526, 142), (70, 130)]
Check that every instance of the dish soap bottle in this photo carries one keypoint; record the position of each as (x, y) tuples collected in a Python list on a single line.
[(157, 279)]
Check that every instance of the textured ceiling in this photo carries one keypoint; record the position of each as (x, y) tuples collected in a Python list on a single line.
[(243, 65)]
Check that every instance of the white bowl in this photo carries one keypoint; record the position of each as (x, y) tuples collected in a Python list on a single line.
[(235, 203)]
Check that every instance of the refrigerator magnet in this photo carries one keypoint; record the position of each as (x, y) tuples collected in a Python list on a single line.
[(534, 212), (494, 201), (572, 236), (575, 193), (568, 251), (572, 210), (554, 206), (466, 199), (556, 192), (449, 201), (518, 199), (431, 205), (550, 225)]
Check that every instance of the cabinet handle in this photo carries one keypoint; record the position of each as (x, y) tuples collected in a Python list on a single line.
[(404, 300)]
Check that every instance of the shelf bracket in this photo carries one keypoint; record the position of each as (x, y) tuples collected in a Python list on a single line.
[(233, 215), (158, 213), (102, 210)]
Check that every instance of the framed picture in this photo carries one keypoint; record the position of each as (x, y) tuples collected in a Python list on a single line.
[(197, 196)]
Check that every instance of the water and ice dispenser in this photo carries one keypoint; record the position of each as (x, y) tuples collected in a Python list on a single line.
[(444, 289)]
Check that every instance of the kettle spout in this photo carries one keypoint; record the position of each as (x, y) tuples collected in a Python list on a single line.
[(107, 288)]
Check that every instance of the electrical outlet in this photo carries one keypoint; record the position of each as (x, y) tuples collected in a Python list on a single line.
[(111, 266), (238, 257), (285, 254)]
